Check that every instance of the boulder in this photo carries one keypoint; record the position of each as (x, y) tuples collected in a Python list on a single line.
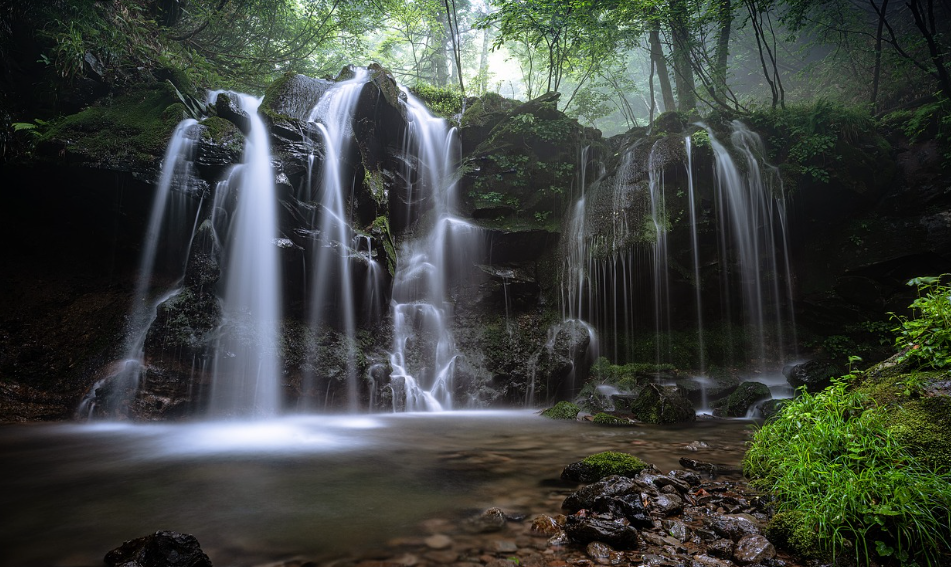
[(587, 529), (228, 109), (814, 375), (161, 549), (739, 403), (662, 405)]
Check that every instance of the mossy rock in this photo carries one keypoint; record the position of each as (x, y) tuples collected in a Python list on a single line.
[(185, 324), (612, 420), (924, 427), (741, 400), (600, 465), (790, 530), (562, 410), (293, 96), (662, 405), (127, 132)]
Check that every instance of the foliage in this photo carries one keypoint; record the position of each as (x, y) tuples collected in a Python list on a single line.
[(926, 335), (608, 419), (562, 410), (445, 102), (609, 463), (931, 120), (831, 459)]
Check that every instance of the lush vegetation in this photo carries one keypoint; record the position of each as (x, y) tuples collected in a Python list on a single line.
[(862, 467)]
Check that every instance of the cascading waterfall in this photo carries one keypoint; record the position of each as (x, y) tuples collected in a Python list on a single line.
[(424, 354), (751, 215), (170, 211), (247, 367), (660, 222), (331, 275)]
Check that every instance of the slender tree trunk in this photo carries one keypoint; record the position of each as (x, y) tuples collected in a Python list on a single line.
[(650, 82), (453, 20), (876, 77), (658, 62), (483, 85), (928, 31), (440, 57), (725, 23), (680, 52)]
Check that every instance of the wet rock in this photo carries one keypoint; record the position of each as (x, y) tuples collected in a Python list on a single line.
[(677, 530), (753, 549), (609, 487), (689, 477), (504, 546), (733, 526), (491, 520), (707, 561), (738, 403), (161, 549), (815, 375), (603, 554), (662, 405), (668, 504), (546, 526), (616, 533), (294, 96), (228, 109), (220, 145), (722, 548), (629, 506), (600, 465)]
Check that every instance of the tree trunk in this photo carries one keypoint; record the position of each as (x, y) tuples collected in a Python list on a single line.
[(877, 75), (680, 51), (658, 61), (725, 23), (483, 85), (440, 57), (928, 31)]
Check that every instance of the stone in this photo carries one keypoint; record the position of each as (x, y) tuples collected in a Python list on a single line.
[(438, 541), (491, 520), (707, 561), (663, 405), (753, 548), (668, 504), (161, 549), (733, 526), (742, 400), (814, 375), (585, 529), (545, 526), (607, 487), (629, 506), (722, 548), (228, 109), (504, 546)]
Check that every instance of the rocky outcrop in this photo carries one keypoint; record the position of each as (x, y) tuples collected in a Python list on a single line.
[(161, 549)]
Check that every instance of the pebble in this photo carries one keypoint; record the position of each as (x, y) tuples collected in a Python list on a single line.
[(438, 541), (504, 546)]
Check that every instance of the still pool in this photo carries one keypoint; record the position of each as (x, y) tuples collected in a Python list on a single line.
[(319, 487)]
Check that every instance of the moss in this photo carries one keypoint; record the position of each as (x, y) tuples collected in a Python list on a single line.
[(441, 101), (741, 400), (223, 133), (922, 426), (662, 405), (608, 419), (611, 463), (134, 126), (380, 228), (562, 410), (791, 531)]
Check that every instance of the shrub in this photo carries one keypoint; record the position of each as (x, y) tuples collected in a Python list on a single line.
[(562, 410), (927, 334)]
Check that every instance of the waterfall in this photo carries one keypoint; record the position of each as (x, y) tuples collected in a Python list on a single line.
[(751, 210), (660, 222), (166, 226), (695, 248), (247, 367), (332, 282), (424, 354)]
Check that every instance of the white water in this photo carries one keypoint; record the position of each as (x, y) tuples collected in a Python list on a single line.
[(424, 353), (660, 221), (176, 171), (247, 367), (332, 281)]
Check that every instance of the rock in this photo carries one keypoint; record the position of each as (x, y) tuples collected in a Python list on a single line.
[(707, 561), (629, 506), (228, 109), (615, 533), (491, 520), (662, 405), (753, 549), (738, 403), (603, 554), (814, 375), (668, 504), (600, 465), (585, 497), (545, 526), (733, 526), (771, 408), (294, 96), (438, 541), (722, 548), (504, 546), (161, 549), (677, 530)]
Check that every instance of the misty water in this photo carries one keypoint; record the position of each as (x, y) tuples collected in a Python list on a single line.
[(315, 487)]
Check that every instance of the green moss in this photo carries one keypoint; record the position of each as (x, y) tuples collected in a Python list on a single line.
[(923, 427), (134, 126), (662, 405), (223, 133), (739, 402), (611, 463), (562, 410), (793, 531), (381, 229), (608, 419), (444, 102)]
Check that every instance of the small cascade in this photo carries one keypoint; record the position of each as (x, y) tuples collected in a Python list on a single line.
[(751, 212), (424, 354), (332, 282), (170, 212), (660, 222), (247, 367), (695, 248)]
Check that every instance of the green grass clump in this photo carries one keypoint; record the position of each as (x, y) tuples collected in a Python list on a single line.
[(611, 463), (833, 459), (562, 410), (927, 334)]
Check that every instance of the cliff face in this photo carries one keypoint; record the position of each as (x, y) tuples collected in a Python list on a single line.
[(75, 210)]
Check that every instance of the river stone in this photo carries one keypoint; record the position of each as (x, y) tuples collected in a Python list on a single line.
[(662, 405), (627, 506), (545, 526), (707, 561), (753, 549), (438, 541), (741, 400), (608, 487), (722, 548), (815, 375), (161, 549), (668, 504), (491, 520), (734, 526), (612, 532)]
